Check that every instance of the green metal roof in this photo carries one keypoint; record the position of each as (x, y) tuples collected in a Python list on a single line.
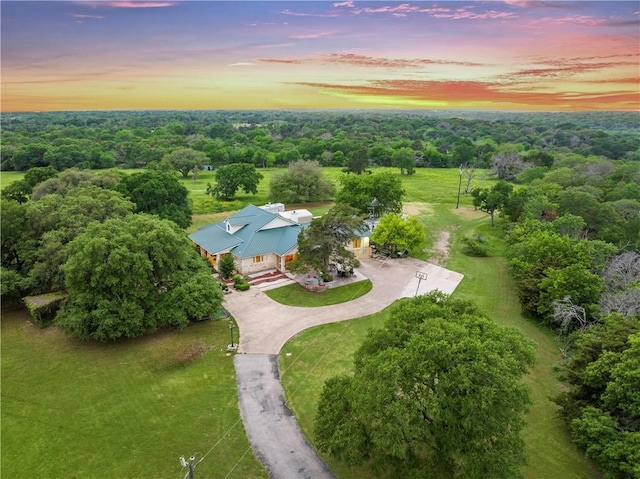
[(250, 240)]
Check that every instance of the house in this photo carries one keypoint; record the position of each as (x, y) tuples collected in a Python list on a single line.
[(260, 238)]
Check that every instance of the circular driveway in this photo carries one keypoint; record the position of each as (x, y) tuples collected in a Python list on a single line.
[(265, 326)]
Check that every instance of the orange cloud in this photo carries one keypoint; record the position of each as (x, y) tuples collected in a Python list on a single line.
[(567, 69), (468, 94), (281, 60)]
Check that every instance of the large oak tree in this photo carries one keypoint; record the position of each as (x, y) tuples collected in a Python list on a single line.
[(360, 191), (158, 193), (229, 178), (129, 277), (436, 393), (302, 182)]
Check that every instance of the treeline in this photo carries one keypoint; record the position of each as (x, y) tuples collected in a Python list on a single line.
[(95, 140), (573, 239), (113, 244)]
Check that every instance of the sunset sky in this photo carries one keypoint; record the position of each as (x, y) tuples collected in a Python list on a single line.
[(490, 55)]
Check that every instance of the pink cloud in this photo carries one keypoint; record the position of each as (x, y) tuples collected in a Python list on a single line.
[(464, 14), (367, 61), (304, 14), (306, 36), (538, 4), (81, 16), (281, 60), (461, 13), (142, 4)]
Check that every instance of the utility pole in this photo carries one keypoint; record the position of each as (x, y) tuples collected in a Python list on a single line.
[(191, 465), (459, 185)]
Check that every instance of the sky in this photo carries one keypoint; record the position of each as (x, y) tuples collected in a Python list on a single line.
[(234, 55)]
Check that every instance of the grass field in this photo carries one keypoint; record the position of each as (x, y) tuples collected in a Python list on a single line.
[(72, 409), (317, 354), (426, 186)]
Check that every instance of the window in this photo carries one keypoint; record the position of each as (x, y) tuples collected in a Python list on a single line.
[(357, 243), (258, 258)]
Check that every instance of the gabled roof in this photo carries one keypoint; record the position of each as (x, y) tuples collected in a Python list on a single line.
[(251, 239)]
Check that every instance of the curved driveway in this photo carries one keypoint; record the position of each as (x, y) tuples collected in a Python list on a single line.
[(265, 326)]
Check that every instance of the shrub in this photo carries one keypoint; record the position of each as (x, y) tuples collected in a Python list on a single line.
[(475, 247), (226, 266), (239, 283)]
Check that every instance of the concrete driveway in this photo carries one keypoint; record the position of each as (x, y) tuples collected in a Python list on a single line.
[(265, 326)]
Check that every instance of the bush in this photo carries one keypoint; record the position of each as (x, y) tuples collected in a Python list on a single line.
[(242, 286), (239, 283), (475, 247)]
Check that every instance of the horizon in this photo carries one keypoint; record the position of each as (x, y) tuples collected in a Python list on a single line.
[(493, 56)]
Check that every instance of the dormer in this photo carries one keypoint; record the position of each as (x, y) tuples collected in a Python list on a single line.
[(232, 228)]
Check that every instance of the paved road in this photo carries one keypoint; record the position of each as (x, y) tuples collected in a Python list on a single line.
[(265, 326), (271, 427)]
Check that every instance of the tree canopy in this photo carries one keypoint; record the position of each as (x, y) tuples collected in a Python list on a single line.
[(21, 190), (129, 277), (436, 393), (230, 178), (186, 160), (398, 233), (404, 158), (602, 404), (492, 199), (360, 191), (303, 182), (158, 193), (326, 240)]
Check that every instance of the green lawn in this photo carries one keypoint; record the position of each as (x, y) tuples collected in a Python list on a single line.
[(296, 295), (8, 177), (126, 409), (317, 354)]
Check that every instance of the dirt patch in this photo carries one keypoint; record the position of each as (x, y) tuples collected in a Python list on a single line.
[(439, 254), (469, 213), (190, 353), (417, 208)]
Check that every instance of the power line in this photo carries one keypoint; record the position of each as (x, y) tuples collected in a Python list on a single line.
[(192, 464), (222, 437), (238, 462)]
